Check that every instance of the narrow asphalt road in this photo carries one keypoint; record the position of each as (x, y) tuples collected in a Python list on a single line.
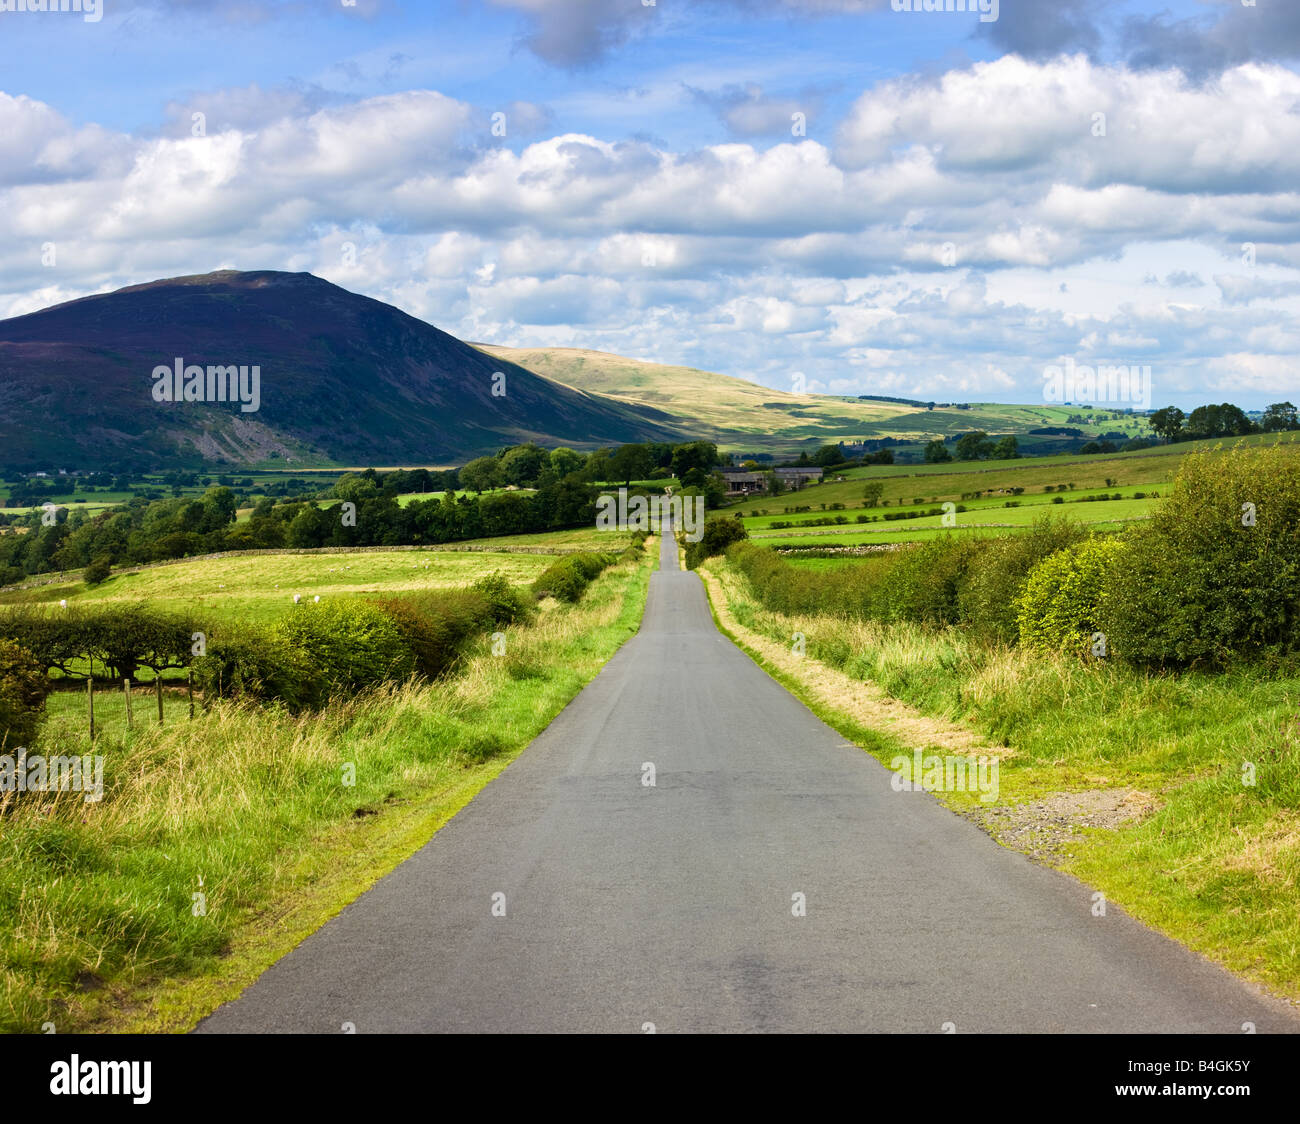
[(627, 904)]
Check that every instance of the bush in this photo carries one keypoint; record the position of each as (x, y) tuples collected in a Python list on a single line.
[(718, 535), (923, 581), (253, 662), (55, 637), (98, 570), (124, 637), (1059, 607), (1198, 586), (987, 600), (436, 626), (352, 644), (567, 578), (23, 689), (508, 604)]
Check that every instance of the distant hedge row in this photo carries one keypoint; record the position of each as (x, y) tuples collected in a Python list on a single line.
[(1214, 575), (310, 654), (568, 577), (313, 653), (341, 647)]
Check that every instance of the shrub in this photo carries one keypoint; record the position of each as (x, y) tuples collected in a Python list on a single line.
[(1198, 585), (23, 689), (567, 578), (124, 637), (436, 626), (55, 637), (98, 570), (351, 643), (508, 604), (254, 662), (922, 582), (1059, 606), (718, 535), (987, 599)]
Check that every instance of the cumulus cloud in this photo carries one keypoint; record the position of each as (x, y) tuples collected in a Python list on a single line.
[(1228, 34), (1239, 290), (748, 112), (1037, 30), (875, 259)]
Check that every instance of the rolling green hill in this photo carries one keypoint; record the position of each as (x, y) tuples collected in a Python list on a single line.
[(744, 417)]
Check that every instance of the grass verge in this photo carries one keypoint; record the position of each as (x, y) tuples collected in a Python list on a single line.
[(1190, 846), (277, 822)]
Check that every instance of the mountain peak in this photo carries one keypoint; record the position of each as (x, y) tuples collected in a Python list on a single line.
[(344, 379)]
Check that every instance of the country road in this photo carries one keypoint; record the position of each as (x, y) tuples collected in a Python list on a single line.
[(628, 904)]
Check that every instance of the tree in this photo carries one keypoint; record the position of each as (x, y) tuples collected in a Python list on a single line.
[(828, 456), (1008, 449), (564, 460), (696, 454), (97, 571), (309, 528), (974, 446), (631, 462), (1224, 420), (936, 452), (1167, 423), (481, 474), (718, 535), (523, 464), (872, 493), (1280, 416)]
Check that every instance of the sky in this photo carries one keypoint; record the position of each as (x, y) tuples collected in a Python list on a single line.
[(825, 194)]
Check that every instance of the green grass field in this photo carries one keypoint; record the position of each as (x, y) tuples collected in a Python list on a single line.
[(1145, 471), (260, 587), (987, 520), (252, 809), (949, 481)]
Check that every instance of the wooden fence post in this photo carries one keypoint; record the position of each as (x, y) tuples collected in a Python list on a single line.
[(90, 704), (189, 686), (157, 681), (126, 691)]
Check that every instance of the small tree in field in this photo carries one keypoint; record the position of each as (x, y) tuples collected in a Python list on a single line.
[(98, 570)]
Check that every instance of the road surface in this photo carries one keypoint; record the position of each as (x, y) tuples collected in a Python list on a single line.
[(673, 905)]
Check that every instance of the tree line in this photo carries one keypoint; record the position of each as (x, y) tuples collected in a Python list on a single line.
[(555, 489)]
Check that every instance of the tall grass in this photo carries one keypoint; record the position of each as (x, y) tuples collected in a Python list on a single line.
[(97, 896), (1217, 863)]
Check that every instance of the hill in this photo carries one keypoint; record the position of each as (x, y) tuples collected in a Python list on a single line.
[(742, 416), (343, 379), (738, 414)]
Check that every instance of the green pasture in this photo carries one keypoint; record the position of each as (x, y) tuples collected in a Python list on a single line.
[(262, 586)]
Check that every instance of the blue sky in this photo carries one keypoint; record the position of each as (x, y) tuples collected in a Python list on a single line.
[(947, 223)]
